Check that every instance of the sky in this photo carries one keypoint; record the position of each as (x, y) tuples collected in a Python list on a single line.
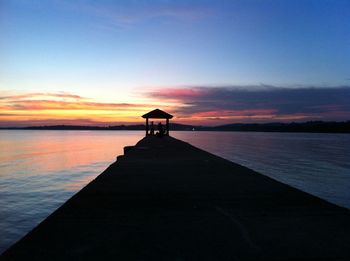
[(205, 62)]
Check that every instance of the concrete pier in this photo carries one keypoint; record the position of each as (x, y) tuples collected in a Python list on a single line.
[(167, 200)]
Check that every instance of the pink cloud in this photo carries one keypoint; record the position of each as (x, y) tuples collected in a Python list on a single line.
[(264, 103), (178, 93)]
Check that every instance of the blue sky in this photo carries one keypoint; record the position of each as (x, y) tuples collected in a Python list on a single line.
[(115, 50)]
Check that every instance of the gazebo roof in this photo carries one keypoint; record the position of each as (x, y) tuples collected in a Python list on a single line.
[(157, 114)]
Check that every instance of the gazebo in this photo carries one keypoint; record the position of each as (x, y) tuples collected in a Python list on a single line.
[(157, 114)]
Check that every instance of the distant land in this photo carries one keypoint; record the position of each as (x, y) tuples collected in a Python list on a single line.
[(310, 126)]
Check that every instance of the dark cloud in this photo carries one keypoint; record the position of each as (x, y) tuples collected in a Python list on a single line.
[(313, 102)]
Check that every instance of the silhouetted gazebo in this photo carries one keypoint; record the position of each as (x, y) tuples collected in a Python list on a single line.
[(157, 114)]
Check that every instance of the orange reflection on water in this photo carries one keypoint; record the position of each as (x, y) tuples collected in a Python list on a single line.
[(35, 153)]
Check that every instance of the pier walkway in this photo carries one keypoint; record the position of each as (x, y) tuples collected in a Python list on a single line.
[(168, 200)]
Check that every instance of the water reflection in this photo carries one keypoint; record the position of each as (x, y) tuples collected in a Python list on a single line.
[(41, 169), (60, 150)]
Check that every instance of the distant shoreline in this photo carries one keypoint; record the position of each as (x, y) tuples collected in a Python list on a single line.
[(304, 127)]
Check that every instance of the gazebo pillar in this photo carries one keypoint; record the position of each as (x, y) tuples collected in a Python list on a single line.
[(167, 127), (146, 126)]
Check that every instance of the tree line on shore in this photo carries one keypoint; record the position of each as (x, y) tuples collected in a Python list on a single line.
[(310, 126)]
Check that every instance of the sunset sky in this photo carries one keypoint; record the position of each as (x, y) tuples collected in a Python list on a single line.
[(205, 62)]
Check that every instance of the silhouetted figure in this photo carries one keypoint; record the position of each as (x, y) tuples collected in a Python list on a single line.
[(152, 129), (160, 130)]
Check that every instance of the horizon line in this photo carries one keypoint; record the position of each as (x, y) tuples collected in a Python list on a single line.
[(171, 123)]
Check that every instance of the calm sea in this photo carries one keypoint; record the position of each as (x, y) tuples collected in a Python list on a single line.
[(40, 170)]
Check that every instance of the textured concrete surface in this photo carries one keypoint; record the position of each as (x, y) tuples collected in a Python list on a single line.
[(167, 200)]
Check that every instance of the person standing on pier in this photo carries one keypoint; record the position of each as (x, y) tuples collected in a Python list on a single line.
[(152, 128), (160, 129)]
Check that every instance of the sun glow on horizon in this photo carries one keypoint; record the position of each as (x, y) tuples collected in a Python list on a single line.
[(191, 105), (58, 108)]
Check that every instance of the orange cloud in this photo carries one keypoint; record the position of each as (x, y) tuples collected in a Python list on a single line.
[(41, 94), (65, 105), (65, 108)]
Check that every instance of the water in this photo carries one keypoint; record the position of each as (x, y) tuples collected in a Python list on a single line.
[(40, 170)]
